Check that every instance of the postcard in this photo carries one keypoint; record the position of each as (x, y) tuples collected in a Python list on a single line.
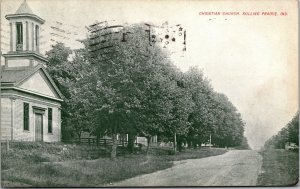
[(158, 93)]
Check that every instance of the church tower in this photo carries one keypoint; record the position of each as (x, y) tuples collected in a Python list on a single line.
[(25, 29), (30, 100)]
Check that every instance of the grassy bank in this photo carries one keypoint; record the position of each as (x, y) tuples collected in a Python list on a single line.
[(280, 168), (58, 165)]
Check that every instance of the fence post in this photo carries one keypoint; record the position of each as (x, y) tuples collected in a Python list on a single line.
[(7, 146)]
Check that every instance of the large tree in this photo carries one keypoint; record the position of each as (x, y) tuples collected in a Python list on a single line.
[(129, 74), (56, 66), (68, 75)]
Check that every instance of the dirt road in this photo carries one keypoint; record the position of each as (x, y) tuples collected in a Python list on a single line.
[(234, 168)]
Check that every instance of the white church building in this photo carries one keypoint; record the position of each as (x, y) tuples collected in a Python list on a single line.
[(30, 100)]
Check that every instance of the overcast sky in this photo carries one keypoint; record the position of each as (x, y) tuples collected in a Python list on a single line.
[(251, 59)]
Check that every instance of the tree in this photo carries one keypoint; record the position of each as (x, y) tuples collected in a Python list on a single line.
[(125, 74), (201, 118), (293, 128), (176, 105), (288, 134), (230, 127), (213, 114), (68, 75), (57, 61)]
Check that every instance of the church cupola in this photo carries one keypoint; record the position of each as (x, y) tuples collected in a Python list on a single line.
[(24, 29)]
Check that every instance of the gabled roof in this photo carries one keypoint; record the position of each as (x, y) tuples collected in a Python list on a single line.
[(14, 77), (24, 9)]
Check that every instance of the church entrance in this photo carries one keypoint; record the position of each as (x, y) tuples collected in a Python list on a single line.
[(38, 127), (38, 122)]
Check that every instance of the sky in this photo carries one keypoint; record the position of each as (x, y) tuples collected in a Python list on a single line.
[(251, 59)]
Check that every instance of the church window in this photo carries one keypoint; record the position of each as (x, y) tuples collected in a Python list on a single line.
[(37, 36), (26, 116), (50, 120), (19, 35)]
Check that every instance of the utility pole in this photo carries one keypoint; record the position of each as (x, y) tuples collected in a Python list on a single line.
[(209, 140)]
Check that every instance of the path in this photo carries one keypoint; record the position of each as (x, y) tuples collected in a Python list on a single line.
[(234, 168)]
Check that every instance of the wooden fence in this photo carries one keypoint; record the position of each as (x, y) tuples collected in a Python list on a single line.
[(100, 142)]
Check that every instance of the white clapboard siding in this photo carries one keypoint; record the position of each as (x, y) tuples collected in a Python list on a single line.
[(5, 119)]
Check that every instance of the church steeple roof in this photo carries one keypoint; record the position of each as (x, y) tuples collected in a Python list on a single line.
[(24, 9)]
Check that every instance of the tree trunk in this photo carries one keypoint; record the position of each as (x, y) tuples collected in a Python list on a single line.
[(113, 155), (97, 139), (148, 144), (194, 144), (189, 143), (79, 136), (130, 145), (179, 143), (175, 143)]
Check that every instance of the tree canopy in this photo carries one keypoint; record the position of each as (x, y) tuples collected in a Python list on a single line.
[(131, 87)]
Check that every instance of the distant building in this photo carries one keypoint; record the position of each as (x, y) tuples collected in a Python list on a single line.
[(30, 100)]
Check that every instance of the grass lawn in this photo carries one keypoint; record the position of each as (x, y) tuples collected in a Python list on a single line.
[(58, 165), (280, 168)]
